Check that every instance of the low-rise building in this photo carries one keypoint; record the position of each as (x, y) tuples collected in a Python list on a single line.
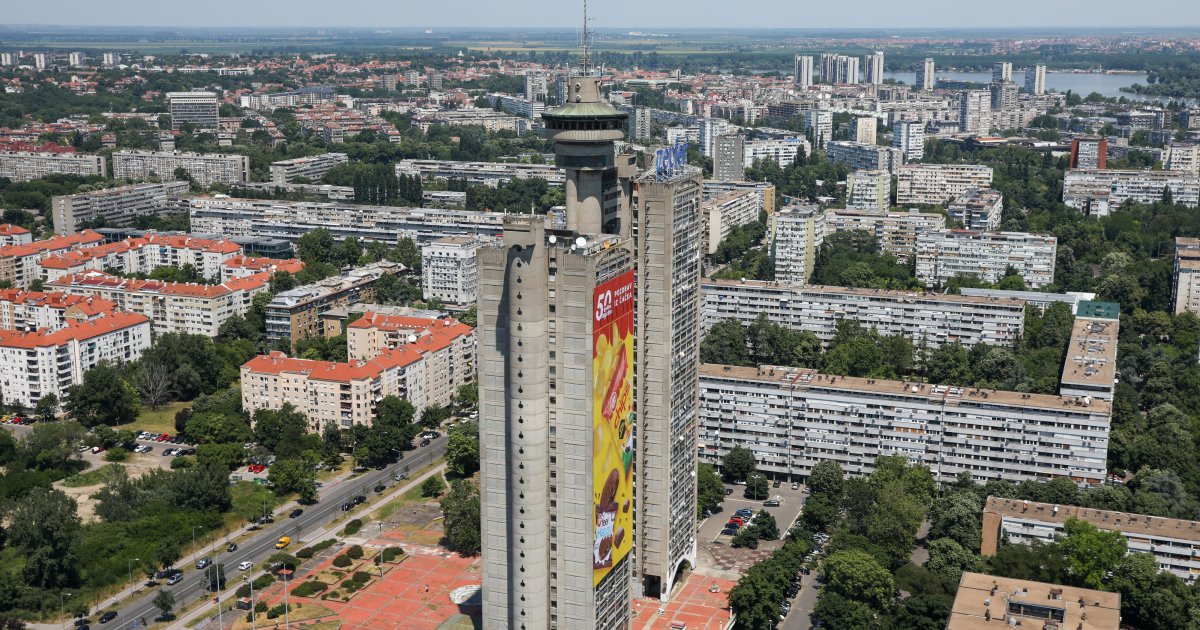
[(723, 213), (1097, 192), (22, 166), (793, 419), (896, 232), (114, 206), (205, 169), (944, 254), (984, 601), (795, 234), (295, 314), (43, 362), (14, 235), (937, 184), (1174, 543), (311, 168), (448, 270), (1037, 299), (19, 263), (978, 209), (927, 319)]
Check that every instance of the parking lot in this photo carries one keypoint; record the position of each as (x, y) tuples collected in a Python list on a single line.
[(785, 514)]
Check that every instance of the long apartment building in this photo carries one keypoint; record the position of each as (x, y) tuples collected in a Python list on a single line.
[(489, 173), (31, 310), (795, 234), (932, 319), (22, 166), (1174, 543), (1097, 192), (19, 263), (722, 213), (764, 190), (289, 220), (1090, 367), (937, 184), (144, 255), (114, 206), (1186, 282), (783, 151), (978, 209), (865, 157), (449, 270), (14, 235), (1037, 299), (173, 307), (793, 419), (205, 169), (943, 254), (895, 232), (311, 168), (43, 362), (296, 314), (346, 394)]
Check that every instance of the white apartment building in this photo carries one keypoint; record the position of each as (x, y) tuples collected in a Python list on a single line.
[(1001, 71), (36, 364), (926, 77), (943, 254), (14, 235), (33, 310), (803, 74), (710, 130), (489, 173), (795, 234), (873, 69), (449, 270), (22, 166), (1090, 367), (242, 266), (937, 184), (793, 419), (19, 263), (447, 348), (173, 307), (205, 168), (1096, 192), (819, 124), (978, 209), (783, 151), (839, 69), (1186, 283), (114, 206), (729, 157), (869, 191), (863, 129), (289, 220), (931, 319), (865, 157), (909, 137), (896, 232), (1035, 79), (1174, 543), (1037, 299), (196, 108), (764, 190), (974, 111), (1183, 157), (144, 255), (721, 214), (311, 168)]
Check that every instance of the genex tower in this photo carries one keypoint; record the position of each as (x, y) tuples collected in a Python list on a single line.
[(556, 343)]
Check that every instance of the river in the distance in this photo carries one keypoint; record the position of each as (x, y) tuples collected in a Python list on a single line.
[(1083, 84)]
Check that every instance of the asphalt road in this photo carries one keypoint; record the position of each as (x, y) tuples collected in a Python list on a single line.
[(261, 543)]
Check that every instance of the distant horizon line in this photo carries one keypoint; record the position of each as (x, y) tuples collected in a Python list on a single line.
[(664, 29)]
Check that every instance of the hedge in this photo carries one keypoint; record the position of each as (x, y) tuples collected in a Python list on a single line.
[(390, 553), (313, 550), (309, 588)]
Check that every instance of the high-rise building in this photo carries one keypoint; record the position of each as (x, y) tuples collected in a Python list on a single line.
[(803, 75), (536, 87), (41, 60), (795, 234), (936, 184), (839, 69), (1035, 79), (863, 130), (449, 270), (668, 246), (1183, 157), (909, 137), (864, 156), (198, 108), (640, 127), (556, 362), (1186, 284), (1001, 71), (974, 111), (75, 59), (873, 67), (944, 254), (819, 124), (710, 130), (111, 59), (435, 80), (114, 206), (869, 190), (978, 209), (729, 158), (203, 168), (1003, 95), (925, 75), (8, 59), (1089, 152)]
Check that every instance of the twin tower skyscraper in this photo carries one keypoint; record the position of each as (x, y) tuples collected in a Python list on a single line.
[(588, 384)]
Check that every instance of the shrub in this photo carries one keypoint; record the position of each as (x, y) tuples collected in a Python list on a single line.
[(351, 586), (243, 591), (355, 552), (263, 581), (305, 553), (432, 486), (309, 588), (352, 527), (116, 454), (362, 577), (313, 550), (260, 607), (181, 462), (391, 553), (342, 561)]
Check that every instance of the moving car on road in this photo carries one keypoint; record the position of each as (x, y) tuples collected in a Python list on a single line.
[(283, 542)]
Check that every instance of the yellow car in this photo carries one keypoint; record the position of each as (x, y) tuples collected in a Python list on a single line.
[(283, 542)]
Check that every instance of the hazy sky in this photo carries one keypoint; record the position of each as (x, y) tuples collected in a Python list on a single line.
[(610, 14)]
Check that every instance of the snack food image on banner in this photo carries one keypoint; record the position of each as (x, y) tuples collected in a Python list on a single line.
[(612, 422)]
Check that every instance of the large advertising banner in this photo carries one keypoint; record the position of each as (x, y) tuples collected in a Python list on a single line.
[(612, 422)]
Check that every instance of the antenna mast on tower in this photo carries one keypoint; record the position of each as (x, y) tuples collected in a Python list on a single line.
[(585, 59)]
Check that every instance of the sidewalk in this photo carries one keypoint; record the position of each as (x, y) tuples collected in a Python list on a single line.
[(195, 619)]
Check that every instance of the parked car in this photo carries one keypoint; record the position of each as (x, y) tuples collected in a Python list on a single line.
[(728, 531), (795, 485), (99, 448), (771, 503), (401, 475), (347, 506), (380, 488), (203, 563), (163, 437), (425, 442), (108, 616), (776, 483), (728, 491), (83, 447)]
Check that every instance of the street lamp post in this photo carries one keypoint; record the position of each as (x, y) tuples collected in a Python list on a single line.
[(194, 528), (250, 576), (129, 565), (286, 573), (62, 608)]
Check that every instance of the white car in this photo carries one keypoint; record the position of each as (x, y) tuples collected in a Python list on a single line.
[(244, 565)]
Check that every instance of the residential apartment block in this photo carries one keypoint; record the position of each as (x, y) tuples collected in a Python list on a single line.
[(1089, 152), (1097, 192), (729, 154), (764, 190), (114, 206), (937, 184), (1037, 299), (723, 213), (205, 169), (22, 166), (19, 263), (447, 347), (795, 234), (1090, 367), (173, 307), (43, 362), (896, 232), (1186, 283), (1183, 157), (927, 319), (869, 191), (943, 254), (194, 108), (986, 601), (782, 151), (143, 255), (909, 137), (311, 168), (296, 314), (1174, 543), (31, 310), (242, 266), (14, 235), (974, 111), (977, 209), (449, 270), (794, 418), (865, 157), (489, 173)]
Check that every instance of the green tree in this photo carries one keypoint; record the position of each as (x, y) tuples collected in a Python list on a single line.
[(167, 554), (755, 601), (756, 487), (164, 601), (957, 516), (738, 464), (214, 576), (462, 449), (765, 526), (461, 509), (725, 344), (746, 537), (826, 479), (855, 575), (819, 513), (949, 560), (949, 364), (44, 528), (47, 407), (433, 486), (102, 397), (279, 430), (1091, 552), (836, 612), (710, 492), (295, 474), (317, 246)]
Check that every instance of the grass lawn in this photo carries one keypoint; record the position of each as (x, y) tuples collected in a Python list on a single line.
[(161, 420), (92, 477), (248, 499), (301, 611)]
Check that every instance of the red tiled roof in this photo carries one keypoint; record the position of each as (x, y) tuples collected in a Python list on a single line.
[(8, 229), (75, 330), (90, 305), (278, 363), (290, 265), (78, 257), (54, 243), (437, 334), (101, 280)]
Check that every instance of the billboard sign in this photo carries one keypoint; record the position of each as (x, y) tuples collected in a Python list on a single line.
[(612, 423), (668, 160)]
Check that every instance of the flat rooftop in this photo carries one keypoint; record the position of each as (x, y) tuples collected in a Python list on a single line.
[(1092, 353), (1126, 522), (773, 285), (985, 602)]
